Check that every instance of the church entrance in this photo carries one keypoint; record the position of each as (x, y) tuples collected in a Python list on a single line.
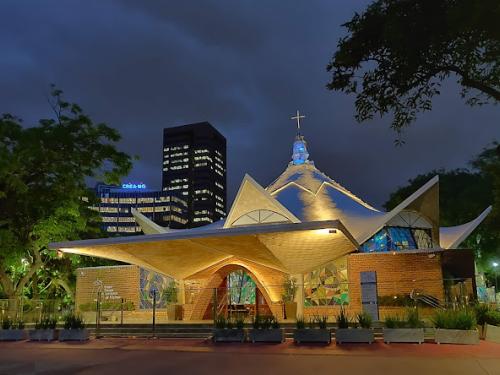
[(237, 297)]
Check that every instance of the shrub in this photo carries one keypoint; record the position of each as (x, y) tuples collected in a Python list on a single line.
[(455, 319), (364, 320), (170, 292), (321, 321), (274, 323), (46, 323), (342, 319), (393, 321), (72, 321), (300, 323), (7, 323), (240, 322), (485, 314), (412, 319), (256, 323), (19, 324), (220, 322)]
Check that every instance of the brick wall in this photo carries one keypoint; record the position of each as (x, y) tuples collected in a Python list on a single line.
[(117, 282), (396, 274)]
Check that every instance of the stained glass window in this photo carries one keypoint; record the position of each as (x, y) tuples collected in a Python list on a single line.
[(241, 288), (327, 285), (398, 238)]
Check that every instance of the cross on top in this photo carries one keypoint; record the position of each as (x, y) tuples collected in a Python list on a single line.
[(297, 117)]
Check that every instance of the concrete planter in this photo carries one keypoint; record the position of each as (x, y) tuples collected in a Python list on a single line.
[(12, 334), (457, 336), (73, 335), (359, 335), (312, 335), (228, 335), (267, 335), (492, 333), (411, 335), (43, 334)]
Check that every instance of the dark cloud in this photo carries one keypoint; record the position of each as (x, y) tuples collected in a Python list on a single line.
[(245, 66)]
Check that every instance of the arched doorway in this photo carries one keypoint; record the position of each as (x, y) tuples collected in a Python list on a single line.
[(238, 294)]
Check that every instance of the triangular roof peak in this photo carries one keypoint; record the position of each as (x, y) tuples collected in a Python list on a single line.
[(251, 197)]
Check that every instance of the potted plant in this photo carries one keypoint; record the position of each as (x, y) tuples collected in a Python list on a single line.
[(45, 330), (408, 330), (361, 333), (170, 296), (228, 331), (74, 329), (317, 332), (456, 327), (289, 290), (266, 329), (12, 331), (488, 321)]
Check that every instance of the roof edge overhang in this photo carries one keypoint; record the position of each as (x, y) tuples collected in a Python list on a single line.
[(188, 234), (452, 237)]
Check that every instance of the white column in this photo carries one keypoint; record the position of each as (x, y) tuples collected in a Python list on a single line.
[(299, 294)]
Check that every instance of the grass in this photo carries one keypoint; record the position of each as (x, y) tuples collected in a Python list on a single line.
[(464, 319), (364, 320), (342, 319)]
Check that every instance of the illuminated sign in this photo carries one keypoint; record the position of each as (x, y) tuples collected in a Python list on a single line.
[(129, 185)]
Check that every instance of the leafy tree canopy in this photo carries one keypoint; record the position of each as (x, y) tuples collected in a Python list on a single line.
[(398, 52), (43, 192), (464, 194)]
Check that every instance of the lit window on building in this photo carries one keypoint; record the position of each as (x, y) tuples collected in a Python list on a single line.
[(397, 239)]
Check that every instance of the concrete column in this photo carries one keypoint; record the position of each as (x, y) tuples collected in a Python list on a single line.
[(299, 294)]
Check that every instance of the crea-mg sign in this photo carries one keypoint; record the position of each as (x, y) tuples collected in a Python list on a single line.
[(130, 185)]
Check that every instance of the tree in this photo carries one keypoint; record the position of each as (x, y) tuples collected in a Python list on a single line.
[(464, 194), (398, 52), (43, 192)]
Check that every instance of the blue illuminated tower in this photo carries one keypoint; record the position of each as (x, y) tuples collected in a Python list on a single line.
[(300, 154)]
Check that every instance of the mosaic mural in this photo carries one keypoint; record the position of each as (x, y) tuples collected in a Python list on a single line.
[(327, 285), (241, 288), (150, 281)]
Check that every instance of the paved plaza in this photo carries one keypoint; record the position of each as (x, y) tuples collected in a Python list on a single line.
[(143, 356)]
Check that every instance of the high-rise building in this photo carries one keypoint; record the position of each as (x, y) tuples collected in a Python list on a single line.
[(194, 170), (115, 204)]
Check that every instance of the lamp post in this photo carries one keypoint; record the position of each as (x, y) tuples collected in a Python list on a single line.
[(495, 266)]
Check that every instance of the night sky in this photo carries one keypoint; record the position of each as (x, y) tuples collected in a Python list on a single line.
[(244, 66)]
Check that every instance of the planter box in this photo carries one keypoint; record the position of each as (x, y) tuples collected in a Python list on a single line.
[(457, 336), (43, 334), (492, 333), (12, 334), (343, 335), (312, 335), (228, 335), (73, 335), (404, 335), (267, 335)]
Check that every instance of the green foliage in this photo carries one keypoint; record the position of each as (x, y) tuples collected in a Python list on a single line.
[(46, 323), (342, 318), (455, 319), (265, 322), (44, 168), (300, 323), (410, 320), (169, 294), (486, 314), (321, 321), (220, 322), (108, 306), (364, 320), (397, 52), (7, 323), (239, 322), (73, 321), (289, 289), (394, 321)]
